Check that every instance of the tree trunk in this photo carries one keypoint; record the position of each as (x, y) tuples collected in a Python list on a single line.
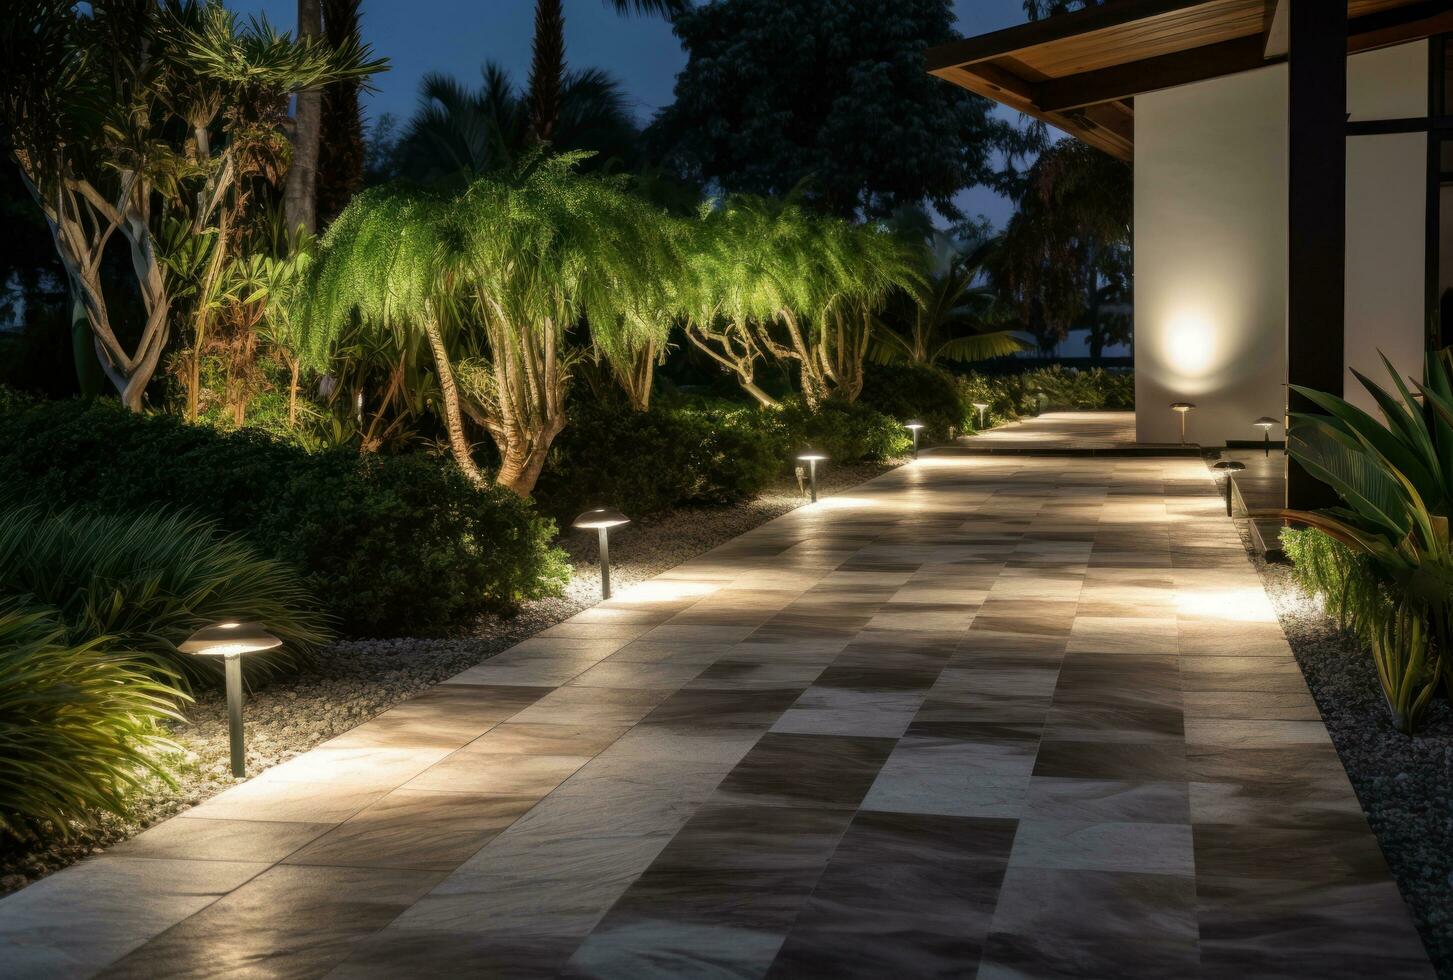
[(763, 399), (547, 69), (449, 395), (300, 198), (340, 123)]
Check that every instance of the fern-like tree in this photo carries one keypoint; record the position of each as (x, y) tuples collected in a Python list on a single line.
[(775, 281), (494, 279)]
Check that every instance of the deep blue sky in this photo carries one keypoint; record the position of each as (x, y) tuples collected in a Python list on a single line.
[(457, 36)]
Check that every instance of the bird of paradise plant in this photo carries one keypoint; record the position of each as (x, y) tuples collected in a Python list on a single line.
[(1396, 481)]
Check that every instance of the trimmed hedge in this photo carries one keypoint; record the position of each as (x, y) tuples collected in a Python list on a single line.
[(847, 433), (905, 392), (390, 545)]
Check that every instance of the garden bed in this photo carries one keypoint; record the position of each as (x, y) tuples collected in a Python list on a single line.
[(1405, 785), (357, 679)]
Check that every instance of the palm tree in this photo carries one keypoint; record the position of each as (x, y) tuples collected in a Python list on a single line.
[(458, 134), (547, 64), (300, 195), (954, 316)]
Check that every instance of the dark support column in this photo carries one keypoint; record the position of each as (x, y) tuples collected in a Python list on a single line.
[(1317, 218)]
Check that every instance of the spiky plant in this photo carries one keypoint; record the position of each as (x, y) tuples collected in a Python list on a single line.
[(149, 581), (80, 723)]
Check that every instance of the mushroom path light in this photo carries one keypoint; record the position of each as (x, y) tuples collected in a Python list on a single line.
[(915, 427), (1265, 423), (602, 519), (1229, 467), (230, 640), (811, 457), (1182, 409)]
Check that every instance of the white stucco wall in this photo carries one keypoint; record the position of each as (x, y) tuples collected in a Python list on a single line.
[(1387, 200), (1211, 243), (1211, 256)]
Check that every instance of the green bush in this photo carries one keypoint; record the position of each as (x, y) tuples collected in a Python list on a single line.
[(1346, 581), (847, 433), (1053, 389), (390, 545), (79, 724), (904, 392), (150, 580), (648, 462)]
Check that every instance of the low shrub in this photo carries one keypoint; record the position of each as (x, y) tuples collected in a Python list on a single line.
[(1014, 396), (80, 724), (149, 581), (1346, 581), (847, 432), (400, 545), (648, 462), (905, 392)]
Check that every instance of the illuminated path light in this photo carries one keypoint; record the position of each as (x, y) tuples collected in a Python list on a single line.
[(1182, 409), (602, 519), (1228, 468), (915, 427), (982, 407), (230, 641), (1265, 423), (812, 457)]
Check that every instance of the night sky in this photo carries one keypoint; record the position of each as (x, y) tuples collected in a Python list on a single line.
[(457, 36)]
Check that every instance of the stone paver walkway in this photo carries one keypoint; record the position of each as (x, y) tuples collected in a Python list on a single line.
[(1020, 717), (1060, 430)]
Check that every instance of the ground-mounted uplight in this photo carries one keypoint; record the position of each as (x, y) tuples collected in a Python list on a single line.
[(230, 640), (602, 519), (1182, 409), (1265, 423), (1229, 467), (982, 408), (811, 457), (915, 427)]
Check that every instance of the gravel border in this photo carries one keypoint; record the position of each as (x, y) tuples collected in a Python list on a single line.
[(1405, 785), (354, 680)]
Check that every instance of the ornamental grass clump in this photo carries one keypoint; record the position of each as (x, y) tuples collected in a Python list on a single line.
[(80, 723), (149, 581)]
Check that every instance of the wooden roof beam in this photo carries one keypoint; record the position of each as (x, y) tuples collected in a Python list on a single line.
[(1126, 81), (1398, 24), (985, 47)]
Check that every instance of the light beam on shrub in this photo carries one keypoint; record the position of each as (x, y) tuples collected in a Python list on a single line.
[(230, 640), (602, 519), (811, 457)]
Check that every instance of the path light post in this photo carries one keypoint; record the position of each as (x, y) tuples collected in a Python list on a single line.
[(811, 458), (914, 427), (1229, 467), (982, 407), (1182, 409), (1265, 423), (602, 519), (230, 640)]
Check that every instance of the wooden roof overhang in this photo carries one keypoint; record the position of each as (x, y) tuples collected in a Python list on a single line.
[(1081, 71)]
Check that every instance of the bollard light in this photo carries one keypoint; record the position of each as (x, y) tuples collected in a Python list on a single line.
[(602, 519), (915, 426), (1182, 409), (982, 407), (1265, 423), (1228, 467), (811, 457), (230, 640)]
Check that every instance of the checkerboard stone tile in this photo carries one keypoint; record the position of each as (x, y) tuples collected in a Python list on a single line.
[(1004, 717)]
